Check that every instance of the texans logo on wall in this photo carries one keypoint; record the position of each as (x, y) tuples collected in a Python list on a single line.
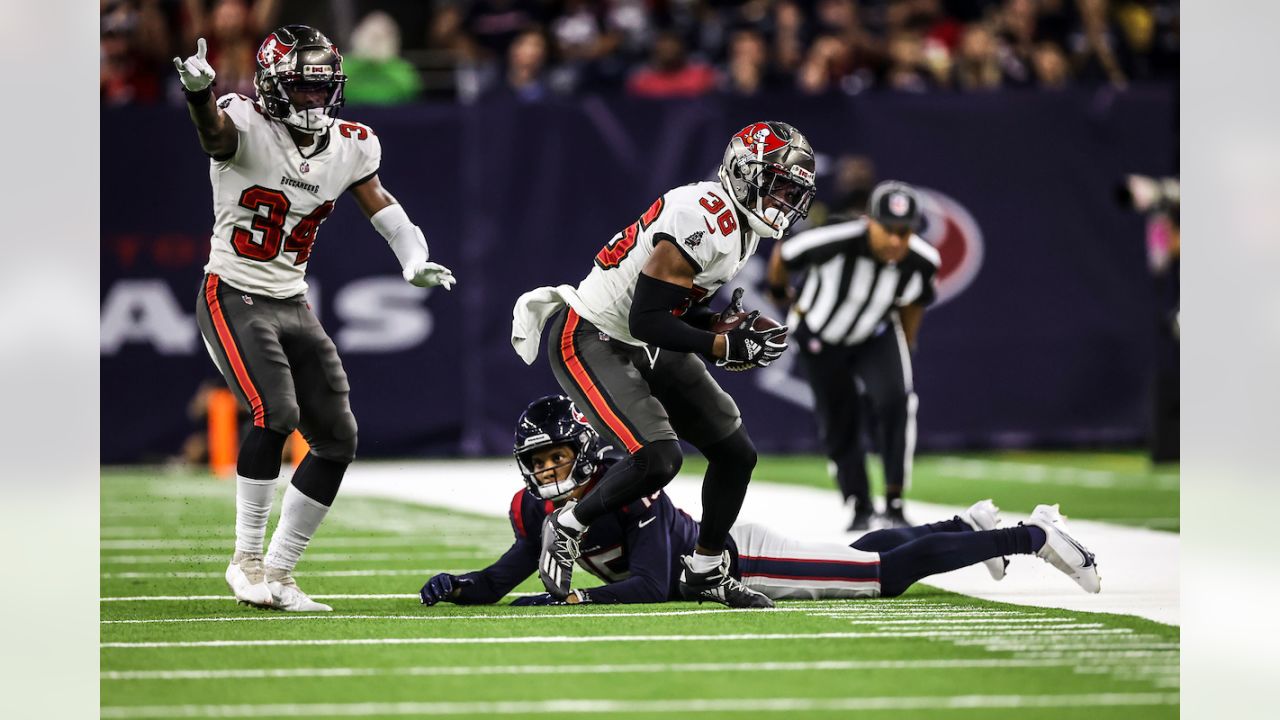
[(950, 228)]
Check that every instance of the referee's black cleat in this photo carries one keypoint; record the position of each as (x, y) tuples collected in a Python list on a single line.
[(861, 520), (717, 585), (893, 516), (559, 550)]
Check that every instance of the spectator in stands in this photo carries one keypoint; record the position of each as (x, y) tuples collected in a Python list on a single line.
[(907, 71), (789, 38), (376, 72), (670, 73), (1051, 68), (747, 64), (133, 45), (526, 67), (977, 66)]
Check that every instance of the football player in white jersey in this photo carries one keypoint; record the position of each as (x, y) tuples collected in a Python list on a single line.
[(627, 347), (278, 163)]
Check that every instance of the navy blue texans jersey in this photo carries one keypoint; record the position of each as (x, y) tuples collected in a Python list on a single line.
[(636, 551)]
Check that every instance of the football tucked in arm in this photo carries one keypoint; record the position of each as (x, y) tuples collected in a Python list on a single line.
[(723, 324)]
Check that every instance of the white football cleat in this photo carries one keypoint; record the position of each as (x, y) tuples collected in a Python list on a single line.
[(247, 579), (984, 515), (1063, 551), (287, 596)]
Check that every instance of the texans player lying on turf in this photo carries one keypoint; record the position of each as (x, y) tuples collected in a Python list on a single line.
[(636, 550)]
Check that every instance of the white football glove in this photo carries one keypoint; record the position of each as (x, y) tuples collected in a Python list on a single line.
[(428, 274), (195, 72)]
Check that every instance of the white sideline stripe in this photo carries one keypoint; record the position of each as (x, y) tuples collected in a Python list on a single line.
[(557, 639), (320, 573), (263, 673), (1039, 474), (586, 614), (544, 707)]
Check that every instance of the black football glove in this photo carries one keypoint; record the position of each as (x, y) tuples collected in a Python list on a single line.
[(442, 587), (749, 348), (540, 599)]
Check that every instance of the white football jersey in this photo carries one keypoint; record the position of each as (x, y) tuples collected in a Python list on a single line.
[(269, 200), (700, 220)]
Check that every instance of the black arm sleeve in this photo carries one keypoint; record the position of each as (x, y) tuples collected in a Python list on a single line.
[(651, 320), (700, 316)]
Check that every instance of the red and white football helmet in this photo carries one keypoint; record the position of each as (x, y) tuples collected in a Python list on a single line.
[(769, 171), (299, 78)]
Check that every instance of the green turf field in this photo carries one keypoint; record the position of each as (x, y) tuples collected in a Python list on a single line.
[(176, 645), (1118, 487)]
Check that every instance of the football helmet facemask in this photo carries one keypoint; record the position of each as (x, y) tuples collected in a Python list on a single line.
[(769, 171), (554, 420), (299, 78)]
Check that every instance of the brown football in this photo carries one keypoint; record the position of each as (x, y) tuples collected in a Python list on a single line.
[(763, 322)]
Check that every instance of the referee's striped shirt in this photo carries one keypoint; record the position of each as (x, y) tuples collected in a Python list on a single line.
[(847, 292)]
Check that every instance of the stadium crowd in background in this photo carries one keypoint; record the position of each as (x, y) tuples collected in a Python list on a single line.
[(531, 50)]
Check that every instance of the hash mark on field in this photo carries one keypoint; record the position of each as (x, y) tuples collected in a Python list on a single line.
[(469, 670), (751, 705)]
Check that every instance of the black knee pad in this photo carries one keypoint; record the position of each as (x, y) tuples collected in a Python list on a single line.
[(339, 443), (659, 462), (736, 451), (260, 451)]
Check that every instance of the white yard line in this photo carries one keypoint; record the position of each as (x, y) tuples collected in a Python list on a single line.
[(222, 558), (601, 669), (652, 707), (424, 572), (1084, 629), (1139, 566), (344, 596), (876, 619), (323, 541)]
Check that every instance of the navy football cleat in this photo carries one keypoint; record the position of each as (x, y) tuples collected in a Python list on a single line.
[(717, 585), (559, 550)]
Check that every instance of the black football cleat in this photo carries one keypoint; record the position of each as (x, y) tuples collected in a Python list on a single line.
[(893, 516), (559, 550), (717, 585), (861, 520)]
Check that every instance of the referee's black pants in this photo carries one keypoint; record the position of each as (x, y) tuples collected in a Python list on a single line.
[(883, 363)]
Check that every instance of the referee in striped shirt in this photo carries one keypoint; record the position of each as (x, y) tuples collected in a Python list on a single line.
[(866, 285)]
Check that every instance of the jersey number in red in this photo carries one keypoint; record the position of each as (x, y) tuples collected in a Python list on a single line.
[(713, 204), (617, 250), (271, 225), (351, 130)]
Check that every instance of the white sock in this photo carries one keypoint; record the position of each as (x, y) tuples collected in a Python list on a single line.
[(704, 563), (571, 521), (299, 518), (253, 507)]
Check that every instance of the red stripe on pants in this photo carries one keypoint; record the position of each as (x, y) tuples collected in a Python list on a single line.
[(580, 378), (233, 353)]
